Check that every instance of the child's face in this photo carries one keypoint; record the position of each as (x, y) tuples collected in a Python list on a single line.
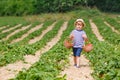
[(79, 25)]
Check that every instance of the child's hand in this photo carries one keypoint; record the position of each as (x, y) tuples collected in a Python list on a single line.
[(71, 37)]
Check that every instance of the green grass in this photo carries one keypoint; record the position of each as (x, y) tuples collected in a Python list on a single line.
[(12, 21)]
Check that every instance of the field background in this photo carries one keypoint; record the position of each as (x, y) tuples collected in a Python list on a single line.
[(104, 58)]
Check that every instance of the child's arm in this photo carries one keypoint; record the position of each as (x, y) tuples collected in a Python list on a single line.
[(85, 37), (71, 37)]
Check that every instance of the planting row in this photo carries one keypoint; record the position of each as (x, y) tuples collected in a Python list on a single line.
[(16, 51), (51, 63), (104, 58)]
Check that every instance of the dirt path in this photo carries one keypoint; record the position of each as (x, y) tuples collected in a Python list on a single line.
[(43, 33), (11, 70), (82, 73), (11, 28), (96, 31), (113, 29), (16, 31), (2, 27), (29, 32)]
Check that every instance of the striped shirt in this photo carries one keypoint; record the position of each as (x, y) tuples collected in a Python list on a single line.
[(78, 40)]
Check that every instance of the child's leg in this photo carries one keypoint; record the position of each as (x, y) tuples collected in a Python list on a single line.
[(78, 60), (75, 60), (76, 54)]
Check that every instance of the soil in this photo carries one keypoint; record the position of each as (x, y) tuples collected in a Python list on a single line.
[(113, 29), (21, 29), (29, 32), (96, 31), (3, 27), (82, 73), (43, 33), (6, 30), (9, 71)]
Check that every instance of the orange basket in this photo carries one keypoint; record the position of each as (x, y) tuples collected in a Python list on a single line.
[(68, 44), (88, 47)]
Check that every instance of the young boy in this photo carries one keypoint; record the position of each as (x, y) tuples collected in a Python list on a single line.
[(78, 36)]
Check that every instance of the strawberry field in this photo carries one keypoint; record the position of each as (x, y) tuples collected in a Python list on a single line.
[(104, 58)]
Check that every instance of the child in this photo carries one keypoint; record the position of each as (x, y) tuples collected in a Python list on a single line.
[(78, 36)]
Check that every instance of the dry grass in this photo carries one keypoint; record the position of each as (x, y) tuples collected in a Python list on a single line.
[(50, 16)]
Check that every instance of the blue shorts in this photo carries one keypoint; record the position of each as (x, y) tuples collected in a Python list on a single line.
[(77, 51)]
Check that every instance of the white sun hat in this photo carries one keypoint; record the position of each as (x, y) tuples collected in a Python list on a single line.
[(80, 20)]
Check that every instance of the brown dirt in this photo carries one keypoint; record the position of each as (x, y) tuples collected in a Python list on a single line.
[(112, 27), (11, 28), (96, 31), (82, 73), (41, 35), (2, 27), (29, 32), (9, 71), (16, 31)]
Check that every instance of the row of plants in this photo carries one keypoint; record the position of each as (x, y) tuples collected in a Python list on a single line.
[(1, 27), (107, 32), (51, 63), (3, 43), (16, 31), (10, 28), (19, 34), (3, 35), (4, 28), (113, 22), (6, 45), (36, 33), (104, 59), (30, 36), (16, 51)]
